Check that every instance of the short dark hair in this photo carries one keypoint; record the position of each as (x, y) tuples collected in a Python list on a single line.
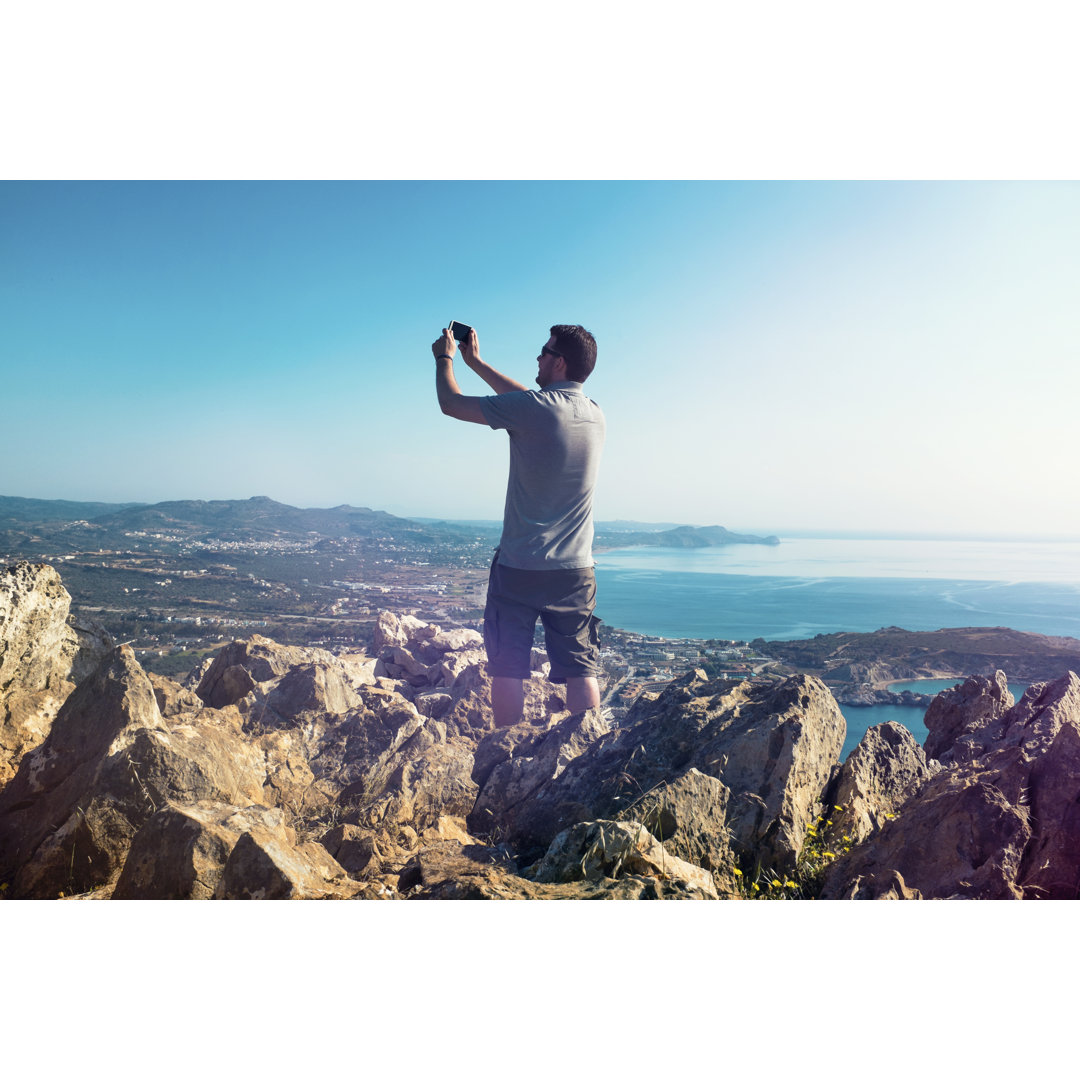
[(578, 348)]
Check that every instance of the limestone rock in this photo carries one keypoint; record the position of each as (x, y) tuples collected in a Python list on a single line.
[(286, 680), (398, 630), (38, 645), (689, 816), (1002, 824), (195, 676), (68, 817), (610, 848), (172, 698), (264, 865), (448, 827), (511, 765), (772, 746), (434, 703), (181, 851), (44, 652), (312, 688), (955, 717), (458, 640), (352, 847), (449, 870), (875, 781), (470, 712), (425, 777)]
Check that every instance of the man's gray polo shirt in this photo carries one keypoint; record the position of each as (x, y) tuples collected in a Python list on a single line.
[(556, 436)]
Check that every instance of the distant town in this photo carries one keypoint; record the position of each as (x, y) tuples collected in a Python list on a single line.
[(175, 584), (177, 580)]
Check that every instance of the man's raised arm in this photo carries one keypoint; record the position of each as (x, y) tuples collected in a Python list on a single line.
[(451, 400), (470, 353)]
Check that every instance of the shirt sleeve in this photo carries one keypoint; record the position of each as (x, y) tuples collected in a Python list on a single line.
[(507, 410)]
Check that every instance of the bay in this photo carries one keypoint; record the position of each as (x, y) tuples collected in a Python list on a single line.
[(860, 718), (802, 587)]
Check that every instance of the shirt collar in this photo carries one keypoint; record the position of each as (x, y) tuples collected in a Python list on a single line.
[(565, 384)]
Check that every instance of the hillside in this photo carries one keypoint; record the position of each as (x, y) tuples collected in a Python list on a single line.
[(893, 654), (75, 525), (684, 536)]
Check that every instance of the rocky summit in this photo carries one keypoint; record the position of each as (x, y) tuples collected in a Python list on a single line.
[(281, 772)]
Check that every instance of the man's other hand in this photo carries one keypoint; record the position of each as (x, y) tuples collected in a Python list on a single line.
[(445, 346), (470, 348)]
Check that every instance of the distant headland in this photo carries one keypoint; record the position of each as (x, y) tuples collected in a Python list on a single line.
[(682, 536)]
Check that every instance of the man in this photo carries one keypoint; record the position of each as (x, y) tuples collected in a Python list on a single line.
[(543, 567)]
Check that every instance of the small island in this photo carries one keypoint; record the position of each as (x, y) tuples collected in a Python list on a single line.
[(682, 536)]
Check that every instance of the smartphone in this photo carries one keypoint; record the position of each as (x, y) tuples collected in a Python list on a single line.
[(458, 330)]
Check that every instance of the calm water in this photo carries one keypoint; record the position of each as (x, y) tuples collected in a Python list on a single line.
[(805, 587), (861, 718)]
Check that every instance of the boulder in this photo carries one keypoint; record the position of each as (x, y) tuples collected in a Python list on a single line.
[(425, 777), (400, 630), (44, 652), (286, 680), (1000, 821), (511, 765), (878, 777), (771, 746), (689, 816), (955, 717), (181, 850), (172, 698), (312, 688), (39, 646), (610, 848), (352, 847), (450, 870), (264, 865), (458, 640), (68, 817)]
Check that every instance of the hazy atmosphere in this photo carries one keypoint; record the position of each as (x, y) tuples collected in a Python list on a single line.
[(893, 356)]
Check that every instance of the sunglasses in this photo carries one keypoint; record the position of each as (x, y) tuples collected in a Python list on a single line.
[(544, 350)]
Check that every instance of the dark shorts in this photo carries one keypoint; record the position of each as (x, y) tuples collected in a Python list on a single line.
[(563, 600)]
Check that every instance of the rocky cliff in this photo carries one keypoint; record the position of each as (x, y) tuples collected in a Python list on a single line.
[(283, 772), (44, 652)]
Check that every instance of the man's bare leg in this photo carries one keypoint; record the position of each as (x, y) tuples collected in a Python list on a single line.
[(507, 700), (582, 694)]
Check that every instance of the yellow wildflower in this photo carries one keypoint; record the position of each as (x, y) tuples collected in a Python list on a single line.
[(775, 883), (789, 885), (757, 887), (736, 871)]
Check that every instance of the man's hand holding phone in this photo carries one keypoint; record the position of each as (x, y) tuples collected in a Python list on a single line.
[(445, 346), (470, 348)]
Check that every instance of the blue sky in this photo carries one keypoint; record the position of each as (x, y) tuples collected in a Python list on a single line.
[(895, 356)]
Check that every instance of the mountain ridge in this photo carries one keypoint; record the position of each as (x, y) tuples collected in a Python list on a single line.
[(261, 517)]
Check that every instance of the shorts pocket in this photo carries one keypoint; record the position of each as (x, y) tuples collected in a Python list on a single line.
[(491, 633)]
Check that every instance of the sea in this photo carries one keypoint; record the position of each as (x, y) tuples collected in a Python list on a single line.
[(806, 586)]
